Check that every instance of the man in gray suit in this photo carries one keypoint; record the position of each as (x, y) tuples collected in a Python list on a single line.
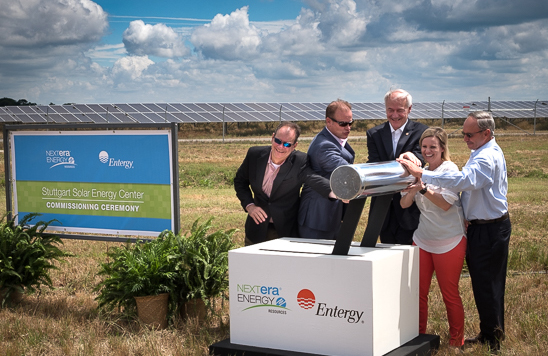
[(320, 218)]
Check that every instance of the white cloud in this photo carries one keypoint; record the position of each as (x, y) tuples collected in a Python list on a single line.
[(439, 50), (130, 68), (301, 39), (228, 37), (41, 23), (341, 24), (108, 52), (154, 40), (43, 42)]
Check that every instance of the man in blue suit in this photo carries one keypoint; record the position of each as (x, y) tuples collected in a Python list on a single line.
[(386, 142), (320, 218)]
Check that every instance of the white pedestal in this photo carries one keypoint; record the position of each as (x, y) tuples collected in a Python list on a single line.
[(292, 294)]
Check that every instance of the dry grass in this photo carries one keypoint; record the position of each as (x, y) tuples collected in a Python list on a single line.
[(65, 321)]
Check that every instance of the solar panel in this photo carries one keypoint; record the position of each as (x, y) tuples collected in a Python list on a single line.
[(133, 113)]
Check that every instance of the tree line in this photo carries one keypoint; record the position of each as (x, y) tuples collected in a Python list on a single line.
[(12, 102)]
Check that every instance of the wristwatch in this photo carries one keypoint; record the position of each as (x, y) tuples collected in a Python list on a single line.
[(423, 190)]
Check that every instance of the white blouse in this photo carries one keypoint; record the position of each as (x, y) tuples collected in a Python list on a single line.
[(439, 231)]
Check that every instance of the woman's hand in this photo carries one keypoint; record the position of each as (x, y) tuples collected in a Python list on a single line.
[(414, 187)]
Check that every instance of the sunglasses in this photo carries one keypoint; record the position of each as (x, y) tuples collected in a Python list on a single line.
[(469, 135), (280, 142), (342, 123)]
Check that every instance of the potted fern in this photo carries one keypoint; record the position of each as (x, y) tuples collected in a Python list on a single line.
[(203, 272), (187, 267), (27, 256), (135, 273)]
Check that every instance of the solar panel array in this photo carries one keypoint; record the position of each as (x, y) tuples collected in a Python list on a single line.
[(248, 112)]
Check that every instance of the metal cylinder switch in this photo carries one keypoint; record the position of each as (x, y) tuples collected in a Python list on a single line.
[(369, 179)]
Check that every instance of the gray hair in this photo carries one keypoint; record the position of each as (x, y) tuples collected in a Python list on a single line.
[(484, 120), (399, 94)]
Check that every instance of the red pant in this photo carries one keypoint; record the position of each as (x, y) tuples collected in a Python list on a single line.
[(448, 267)]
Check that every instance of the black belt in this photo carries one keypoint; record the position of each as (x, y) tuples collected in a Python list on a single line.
[(480, 221)]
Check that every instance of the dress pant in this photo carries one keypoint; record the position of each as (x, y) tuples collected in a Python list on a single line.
[(271, 234), (448, 268), (309, 233), (487, 259), (392, 232)]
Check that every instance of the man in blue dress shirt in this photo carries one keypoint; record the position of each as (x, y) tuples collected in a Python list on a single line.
[(484, 185)]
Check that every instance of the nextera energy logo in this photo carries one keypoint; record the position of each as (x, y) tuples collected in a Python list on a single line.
[(262, 297), (307, 300), (59, 158), (112, 162)]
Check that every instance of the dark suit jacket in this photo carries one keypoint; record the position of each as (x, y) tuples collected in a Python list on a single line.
[(283, 203), (379, 146), (324, 154)]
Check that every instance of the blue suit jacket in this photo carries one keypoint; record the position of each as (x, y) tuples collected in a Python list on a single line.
[(324, 155)]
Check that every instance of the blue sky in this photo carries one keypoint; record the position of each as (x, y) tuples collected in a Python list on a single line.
[(115, 51)]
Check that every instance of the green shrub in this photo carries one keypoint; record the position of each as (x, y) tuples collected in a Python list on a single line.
[(27, 255), (204, 262), (187, 267), (137, 270)]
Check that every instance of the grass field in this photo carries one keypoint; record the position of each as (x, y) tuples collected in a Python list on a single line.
[(65, 321)]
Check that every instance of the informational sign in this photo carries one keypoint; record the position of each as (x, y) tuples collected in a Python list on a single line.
[(110, 182)]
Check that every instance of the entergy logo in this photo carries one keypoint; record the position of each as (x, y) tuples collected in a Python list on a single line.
[(112, 162), (306, 299)]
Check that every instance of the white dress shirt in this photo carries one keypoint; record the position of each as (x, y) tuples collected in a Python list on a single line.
[(439, 231), (396, 134)]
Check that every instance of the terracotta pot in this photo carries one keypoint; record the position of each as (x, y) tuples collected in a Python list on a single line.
[(152, 310), (194, 308)]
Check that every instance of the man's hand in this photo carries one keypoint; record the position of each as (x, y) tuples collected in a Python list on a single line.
[(412, 168), (333, 196), (257, 213), (410, 157)]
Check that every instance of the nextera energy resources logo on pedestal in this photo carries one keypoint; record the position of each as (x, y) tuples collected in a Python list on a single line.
[(269, 298), (95, 181)]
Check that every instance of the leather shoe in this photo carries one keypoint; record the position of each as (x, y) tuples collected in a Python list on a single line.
[(474, 340)]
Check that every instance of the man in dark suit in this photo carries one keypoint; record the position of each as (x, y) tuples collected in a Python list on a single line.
[(386, 142), (320, 218), (268, 185)]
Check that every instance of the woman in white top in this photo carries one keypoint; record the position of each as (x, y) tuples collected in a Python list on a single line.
[(441, 235)]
